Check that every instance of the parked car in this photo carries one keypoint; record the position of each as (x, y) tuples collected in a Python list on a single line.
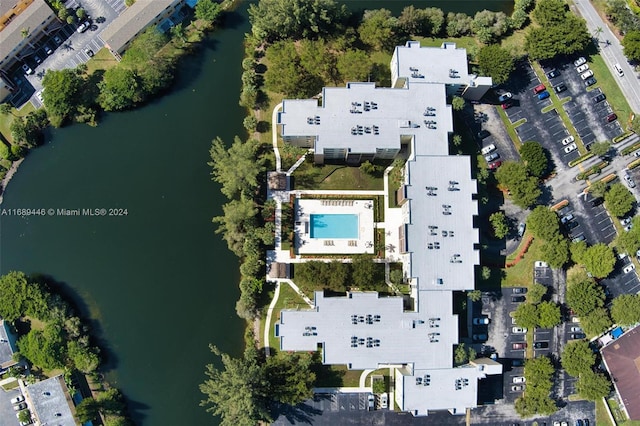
[(517, 299), (519, 346), (481, 321), (581, 60), (521, 228), (597, 201), (582, 68), (625, 221), (384, 400), (483, 134), (17, 399), (57, 40), (578, 336), (491, 157), (47, 49), (611, 117), (543, 95), (83, 27), (539, 88), (560, 88), (27, 69), (569, 148), (541, 345), (618, 70), (519, 379), (371, 400), (568, 140), (519, 290), (88, 52), (495, 165), (37, 59), (507, 105), (566, 218), (540, 264), (579, 423), (579, 238), (601, 97), (487, 149), (630, 267), (576, 329), (553, 73), (20, 406), (586, 75), (590, 81), (479, 337), (517, 388), (39, 96), (517, 362), (505, 97), (629, 180), (518, 330)]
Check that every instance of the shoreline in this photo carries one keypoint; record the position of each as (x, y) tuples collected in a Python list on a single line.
[(7, 178)]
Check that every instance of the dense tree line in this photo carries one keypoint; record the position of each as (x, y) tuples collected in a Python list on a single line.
[(338, 276), (57, 338), (586, 297), (622, 17), (518, 180), (543, 223), (578, 359)]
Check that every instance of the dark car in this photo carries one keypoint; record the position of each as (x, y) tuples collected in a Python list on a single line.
[(611, 117), (597, 201), (483, 134), (541, 345), (520, 290), (88, 52), (577, 336), (517, 362), (590, 81), (560, 88), (553, 73), (517, 299), (601, 97)]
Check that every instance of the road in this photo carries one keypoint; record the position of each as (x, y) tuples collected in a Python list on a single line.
[(612, 53)]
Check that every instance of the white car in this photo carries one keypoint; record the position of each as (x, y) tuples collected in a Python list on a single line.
[(519, 379), (582, 68), (39, 96), (84, 27), (568, 140), (569, 148), (581, 60), (630, 267), (481, 321), (17, 399), (541, 264), (618, 69), (586, 75), (576, 330), (629, 181), (487, 149), (518, 330)]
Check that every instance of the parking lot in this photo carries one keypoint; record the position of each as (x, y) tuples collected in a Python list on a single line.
[(7, 413), (590, 221)]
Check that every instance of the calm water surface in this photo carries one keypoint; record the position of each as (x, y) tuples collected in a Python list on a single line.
[(158, 283)]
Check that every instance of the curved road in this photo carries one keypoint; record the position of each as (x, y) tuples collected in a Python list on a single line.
[(612, 53)]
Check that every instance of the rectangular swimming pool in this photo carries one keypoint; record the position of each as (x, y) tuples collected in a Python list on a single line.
[(334, 226)]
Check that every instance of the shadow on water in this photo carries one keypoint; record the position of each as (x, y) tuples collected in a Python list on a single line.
[(233, 20)]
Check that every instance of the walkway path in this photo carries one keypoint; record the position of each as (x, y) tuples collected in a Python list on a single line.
[(274, 135), (612, 53), (267, 324), (363, 377)]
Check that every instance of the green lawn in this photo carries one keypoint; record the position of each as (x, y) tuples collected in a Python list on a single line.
[(336, 376), (288, 299), (469, 43), (602, 418), (6, 120), (521, 275), (331, 176), (102, 60)]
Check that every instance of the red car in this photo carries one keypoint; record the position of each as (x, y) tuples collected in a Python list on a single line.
[(507, 104), (517, 346), (539, 88), (495, 165)]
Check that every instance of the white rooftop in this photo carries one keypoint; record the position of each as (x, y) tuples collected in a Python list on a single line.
[(364, 330), (388, 114), (51, 402), (446, 64), (440, 236)]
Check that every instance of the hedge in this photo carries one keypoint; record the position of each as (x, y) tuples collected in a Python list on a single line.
[(580, 159)]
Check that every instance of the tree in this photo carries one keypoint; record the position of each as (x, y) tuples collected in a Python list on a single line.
[(354, 65), (596, 322), (474, 295), (44, 348), (61, 92), (238, 219), (413, 22), (457, 103), (236, 392), (458, 24), (81, 13), (457, 140), (584, 296), (178, 32), (631, 44), (499, 223), (6, 109), (119, 89), (599, 149), (489, 26), (543, 223), (526, 315), (549, 314), (285, 73), (577, 357), (563, 37), (207, 10), (593, 386), (536, 292), (538, 373), (460, 354), (599, 260), (290, 377), (378, 29), (598, 188), (236, 169), (273, 20), (84, 358), (363, 271), (629, 242), (524, 188), (318, 59), (534, 158), (87, 410), (549, 11), (556, 251), (618, 200), (496, 62), (625, 309)]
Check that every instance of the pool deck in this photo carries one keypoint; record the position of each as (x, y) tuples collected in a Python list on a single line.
[(363, 243)]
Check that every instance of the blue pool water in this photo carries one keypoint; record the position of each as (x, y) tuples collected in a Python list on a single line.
[(334, 226)]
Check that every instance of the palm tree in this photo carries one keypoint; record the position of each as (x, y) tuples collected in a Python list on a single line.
[(597, 33), (24, 32), (179, 33), (6, 109)]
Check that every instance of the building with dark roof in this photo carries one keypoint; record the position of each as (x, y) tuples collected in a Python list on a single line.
[(7, 346), (622, 358), (50, 402)]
